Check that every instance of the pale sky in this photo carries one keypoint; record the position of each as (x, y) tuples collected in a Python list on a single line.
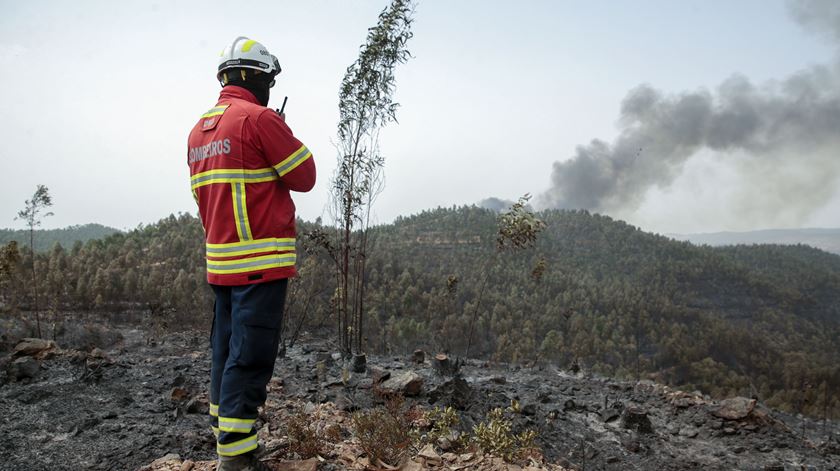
[(98, 97)]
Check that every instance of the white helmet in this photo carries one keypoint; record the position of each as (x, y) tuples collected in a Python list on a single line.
[(244, 53)]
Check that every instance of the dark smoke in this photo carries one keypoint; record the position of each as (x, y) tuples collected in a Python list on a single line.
[(782, 139)]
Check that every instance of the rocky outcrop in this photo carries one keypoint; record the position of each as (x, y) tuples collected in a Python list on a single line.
[(735, 408), (38, 348), (407, 384)]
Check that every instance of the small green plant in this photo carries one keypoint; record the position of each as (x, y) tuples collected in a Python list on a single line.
[(437, 424), (495, 436)]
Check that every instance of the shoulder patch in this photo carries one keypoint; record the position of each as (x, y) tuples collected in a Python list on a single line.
[(211, 118)]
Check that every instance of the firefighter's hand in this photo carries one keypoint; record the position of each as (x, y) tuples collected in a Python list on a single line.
[(281, 115)]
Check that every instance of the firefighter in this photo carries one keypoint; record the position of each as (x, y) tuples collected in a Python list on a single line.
[(244, 162)]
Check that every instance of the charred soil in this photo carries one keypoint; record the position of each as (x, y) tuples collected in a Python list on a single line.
[(133, 402)]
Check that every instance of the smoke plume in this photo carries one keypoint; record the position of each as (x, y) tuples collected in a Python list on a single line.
[(782, 139)]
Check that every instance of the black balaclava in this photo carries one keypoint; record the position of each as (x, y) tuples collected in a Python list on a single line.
[(258, 84)]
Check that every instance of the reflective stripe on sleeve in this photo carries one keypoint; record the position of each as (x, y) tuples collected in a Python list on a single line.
[(228, 424), (263, 262), (249, 247), (292, 161), (237, 448)]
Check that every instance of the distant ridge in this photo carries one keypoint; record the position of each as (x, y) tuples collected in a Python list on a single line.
[(45, 239), (824, 239)]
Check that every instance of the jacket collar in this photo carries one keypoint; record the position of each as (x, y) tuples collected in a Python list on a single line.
[(232, 91)]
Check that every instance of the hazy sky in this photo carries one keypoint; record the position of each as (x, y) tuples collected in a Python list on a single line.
[(98, 98)]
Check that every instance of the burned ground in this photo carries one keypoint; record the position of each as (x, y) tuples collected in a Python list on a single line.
[(125, 406)]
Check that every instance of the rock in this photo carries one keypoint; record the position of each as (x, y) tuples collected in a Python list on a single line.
[(611, 413), (735, 408), (498, 380), (359, 363), (325, 357), (688, 432), (198, 406), (419, 357), (378, 375), (167, 459), (682, 400), (32, 347), (529, 409), (455, 392), (302, 465), (449, 457), (178, 394), (99, 354), (636, 419), (430, 456), (407, 384), (23, 368)]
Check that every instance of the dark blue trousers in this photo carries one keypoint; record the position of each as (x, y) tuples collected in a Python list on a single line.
[(244, 338)]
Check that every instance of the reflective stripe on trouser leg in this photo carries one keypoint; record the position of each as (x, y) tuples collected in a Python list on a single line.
[(256, 316), (214, 419), (228, 424), (238, 447)]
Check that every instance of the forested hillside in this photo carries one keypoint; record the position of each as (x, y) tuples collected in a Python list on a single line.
[(749, 320), (825, 239), (46, 238)]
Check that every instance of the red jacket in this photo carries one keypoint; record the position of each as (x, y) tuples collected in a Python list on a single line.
[(243, 162)]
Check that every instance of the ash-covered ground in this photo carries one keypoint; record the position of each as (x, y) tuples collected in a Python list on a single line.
[(136, 399)]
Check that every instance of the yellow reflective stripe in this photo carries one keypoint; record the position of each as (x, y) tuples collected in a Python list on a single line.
[(251, 247), (249, 243), (261, 258), (215, 431), (237, 448), (233, 175), (214, 410), (240, 211), (291, 162), (228, 424), (215, 111), (248, 45), (225, 267)]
